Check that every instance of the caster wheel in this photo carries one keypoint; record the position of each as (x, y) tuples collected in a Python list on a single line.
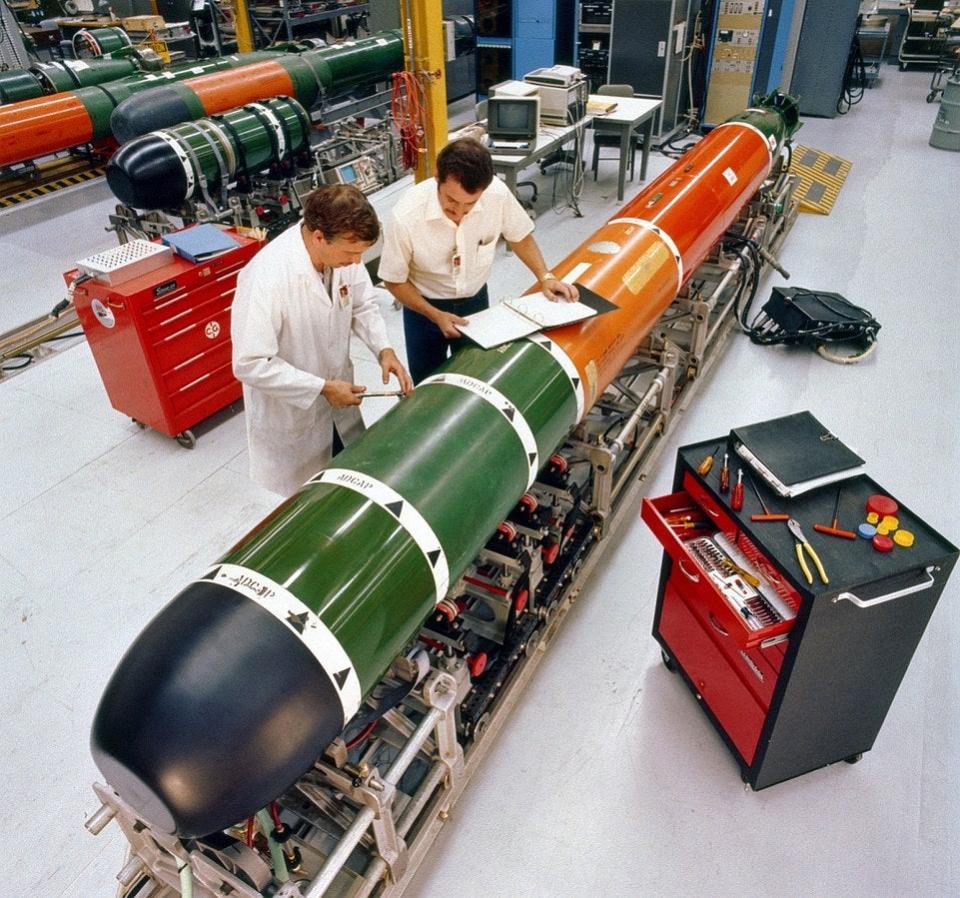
[(139, 424), (854, 758), (931, 96), (186, 439), (668, 662)]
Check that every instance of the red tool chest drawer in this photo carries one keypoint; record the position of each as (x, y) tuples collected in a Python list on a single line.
[(743, 610), (813, 687), (717, 684), (161, 340)]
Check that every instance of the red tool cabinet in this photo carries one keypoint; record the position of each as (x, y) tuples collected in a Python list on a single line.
[(161, 340), (813, 687)]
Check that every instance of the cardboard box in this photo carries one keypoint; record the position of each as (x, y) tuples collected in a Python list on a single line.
[(142, 23)]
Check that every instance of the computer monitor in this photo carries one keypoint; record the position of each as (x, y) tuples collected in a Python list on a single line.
[(513, 118)]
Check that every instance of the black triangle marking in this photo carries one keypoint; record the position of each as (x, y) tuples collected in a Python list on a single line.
[(341, 677), (434, 557), (508, 413), (395, 507), (532, 456), (546, 344), (298, 621), (576, 383), (213, 574)]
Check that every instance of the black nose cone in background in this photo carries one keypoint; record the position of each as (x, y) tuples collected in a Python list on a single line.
[(159, 107), (216, 709), (147, 173)]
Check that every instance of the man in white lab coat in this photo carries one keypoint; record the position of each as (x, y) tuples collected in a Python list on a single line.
[(296, 304)]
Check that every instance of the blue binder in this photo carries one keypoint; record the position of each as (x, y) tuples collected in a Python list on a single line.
[(199, 243)]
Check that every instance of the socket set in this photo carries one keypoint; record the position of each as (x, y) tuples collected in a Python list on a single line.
[(738, 586)]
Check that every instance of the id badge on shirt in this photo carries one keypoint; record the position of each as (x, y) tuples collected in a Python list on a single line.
[(344, 296), (457, 263)]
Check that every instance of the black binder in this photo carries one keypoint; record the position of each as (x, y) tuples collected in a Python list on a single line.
[(795, 453)]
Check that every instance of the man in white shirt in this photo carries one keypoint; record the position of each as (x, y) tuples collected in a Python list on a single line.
[(296, 304), (439, 247)]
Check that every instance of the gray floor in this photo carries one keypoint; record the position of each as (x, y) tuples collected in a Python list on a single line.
[(608, 780)]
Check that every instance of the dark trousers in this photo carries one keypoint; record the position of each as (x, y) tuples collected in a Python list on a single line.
[(427, 347)]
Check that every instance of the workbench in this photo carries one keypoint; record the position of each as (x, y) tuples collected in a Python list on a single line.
[(814, 687)]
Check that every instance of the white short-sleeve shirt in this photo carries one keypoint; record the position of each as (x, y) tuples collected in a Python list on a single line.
[(441, 259)]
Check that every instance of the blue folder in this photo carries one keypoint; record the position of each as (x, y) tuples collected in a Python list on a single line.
[(201, 242)]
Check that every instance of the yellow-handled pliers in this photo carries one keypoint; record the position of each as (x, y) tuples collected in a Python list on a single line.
[(803, 543)]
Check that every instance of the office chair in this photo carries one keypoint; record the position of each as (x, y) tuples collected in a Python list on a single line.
[(601, 140)]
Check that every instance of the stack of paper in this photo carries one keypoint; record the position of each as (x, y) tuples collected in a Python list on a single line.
[(599, 106)]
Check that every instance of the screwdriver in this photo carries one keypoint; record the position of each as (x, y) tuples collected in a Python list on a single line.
[(704, 467), (766, 516), (725, 475), (736, 500)]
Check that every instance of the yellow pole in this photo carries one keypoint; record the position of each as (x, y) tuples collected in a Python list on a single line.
[(241, 22), (426, 18)]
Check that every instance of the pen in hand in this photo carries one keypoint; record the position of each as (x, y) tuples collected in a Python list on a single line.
[(376, 394)]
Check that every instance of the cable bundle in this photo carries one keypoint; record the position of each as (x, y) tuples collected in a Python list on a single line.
[(408, 108), (800, 316), (854, 79)]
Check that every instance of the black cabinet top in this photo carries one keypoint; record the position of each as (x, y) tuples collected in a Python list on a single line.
[(851, 565)]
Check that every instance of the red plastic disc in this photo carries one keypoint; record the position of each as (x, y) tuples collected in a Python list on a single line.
[(882, 543), (882, 505)]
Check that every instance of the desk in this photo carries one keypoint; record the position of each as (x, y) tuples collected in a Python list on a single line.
[(630, 114), (549, 138)]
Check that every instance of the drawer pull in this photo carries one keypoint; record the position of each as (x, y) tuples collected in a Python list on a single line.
[(718, 626), (693, 578), (889, 597)]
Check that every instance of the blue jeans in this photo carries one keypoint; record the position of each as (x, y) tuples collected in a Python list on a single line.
[(427, 347)]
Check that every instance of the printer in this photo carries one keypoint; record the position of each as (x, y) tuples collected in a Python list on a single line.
[(563, 94)]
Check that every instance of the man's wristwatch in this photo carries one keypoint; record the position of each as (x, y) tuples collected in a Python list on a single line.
[(547, 276)]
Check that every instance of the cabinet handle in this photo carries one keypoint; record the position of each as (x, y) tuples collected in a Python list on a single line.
[(718, 626), (693, 578), (889, 597)]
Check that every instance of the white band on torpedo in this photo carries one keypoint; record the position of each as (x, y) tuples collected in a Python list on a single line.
[(184, 159), (274, 122), (576, 381), (502, 405), (225, 145), (409, 518), (756, 130), (663, 235), (301, 621)]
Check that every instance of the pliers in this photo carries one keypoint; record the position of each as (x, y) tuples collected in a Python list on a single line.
[(803, 543)]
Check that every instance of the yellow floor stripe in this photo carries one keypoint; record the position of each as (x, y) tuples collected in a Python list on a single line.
[(33, 193), (821, 177)]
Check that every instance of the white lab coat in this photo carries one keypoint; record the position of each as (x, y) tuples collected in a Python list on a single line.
[(289, 337)]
